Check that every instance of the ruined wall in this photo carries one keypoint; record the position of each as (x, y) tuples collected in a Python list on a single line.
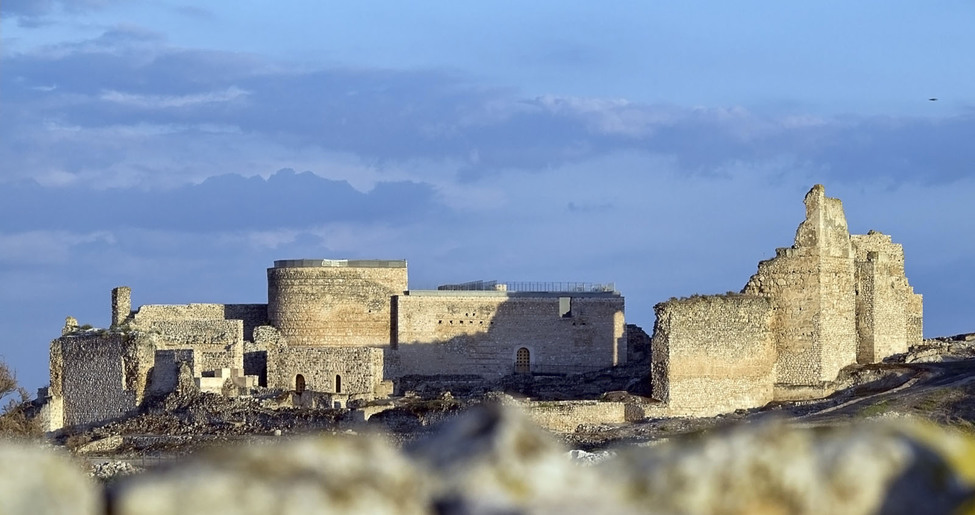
[(360, 369), (464, 332), (716, 353), (888, 310), (567, 416), (121, 305), (216, 342), (812, 288), (165, 371), (326, 302), (99, 376)]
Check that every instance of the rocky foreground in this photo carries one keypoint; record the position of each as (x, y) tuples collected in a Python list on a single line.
[(491, 460)]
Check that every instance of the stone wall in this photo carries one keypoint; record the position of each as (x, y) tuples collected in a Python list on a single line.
[(812, 289), (99, 376), (216, 342), (334, 303), (463, 332), (358, 369), (888, 310), (567, 416), (714, 353)]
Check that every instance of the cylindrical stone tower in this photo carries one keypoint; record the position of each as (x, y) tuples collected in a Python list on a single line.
[(334, 302)]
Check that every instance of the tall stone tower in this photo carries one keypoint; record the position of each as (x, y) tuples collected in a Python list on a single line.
[(334, 302)]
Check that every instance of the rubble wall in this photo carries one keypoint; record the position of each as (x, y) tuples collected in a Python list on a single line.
[(885, 301), (481, 333), (717, 353), (100, 376), (334, 305)]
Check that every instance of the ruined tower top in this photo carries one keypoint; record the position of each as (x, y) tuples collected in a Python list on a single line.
[(824, 231)]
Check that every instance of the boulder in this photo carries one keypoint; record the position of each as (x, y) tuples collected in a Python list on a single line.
[(38, 480)]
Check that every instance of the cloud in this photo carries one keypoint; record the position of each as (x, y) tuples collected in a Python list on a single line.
[(126, 108), (32, 13), (221, 203)]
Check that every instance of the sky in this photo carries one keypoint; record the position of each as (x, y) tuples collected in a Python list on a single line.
[(180, 148)]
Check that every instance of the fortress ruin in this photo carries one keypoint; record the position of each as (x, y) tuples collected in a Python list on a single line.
[(829, 301), (333, 331)]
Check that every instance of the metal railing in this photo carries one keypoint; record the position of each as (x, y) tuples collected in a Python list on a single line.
[(532, 286)]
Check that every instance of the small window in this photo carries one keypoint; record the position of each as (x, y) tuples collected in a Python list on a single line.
[(299, 383), (338, 383), (565, 307), (523, 361)]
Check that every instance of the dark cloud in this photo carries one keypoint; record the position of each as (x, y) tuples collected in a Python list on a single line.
[(220, 204), (129, 78)]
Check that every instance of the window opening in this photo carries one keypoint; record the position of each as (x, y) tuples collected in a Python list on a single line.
[(338, 383), (299, 383)]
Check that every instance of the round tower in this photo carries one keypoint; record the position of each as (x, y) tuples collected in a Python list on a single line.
[(334, 302)]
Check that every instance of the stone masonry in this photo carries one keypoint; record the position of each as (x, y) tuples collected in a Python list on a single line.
[(829, 301), (332, 331), (339, 330)]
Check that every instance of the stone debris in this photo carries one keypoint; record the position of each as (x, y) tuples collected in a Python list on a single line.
[(113, 469), (493, 460)]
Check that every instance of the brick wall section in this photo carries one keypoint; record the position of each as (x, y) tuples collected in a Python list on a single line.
[(716, 353), (360, 368), (99, 377), (327, 305), (480, 333)]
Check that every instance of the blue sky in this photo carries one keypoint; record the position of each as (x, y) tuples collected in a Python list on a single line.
[(663, 146)]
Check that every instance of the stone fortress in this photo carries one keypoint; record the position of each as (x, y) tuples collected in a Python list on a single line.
[(339, 330)]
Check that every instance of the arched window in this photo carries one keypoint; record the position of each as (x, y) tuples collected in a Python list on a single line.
[(338, 383), (299, 383), (523, 361)]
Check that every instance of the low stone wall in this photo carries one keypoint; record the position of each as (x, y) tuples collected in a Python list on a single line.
[(566, 416)]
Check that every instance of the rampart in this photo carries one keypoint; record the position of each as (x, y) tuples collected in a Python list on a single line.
[(713, 354)]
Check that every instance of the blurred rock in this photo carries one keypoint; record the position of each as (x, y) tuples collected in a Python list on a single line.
[(898, 467), (310, 475), (493, 460), (39, 481)]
